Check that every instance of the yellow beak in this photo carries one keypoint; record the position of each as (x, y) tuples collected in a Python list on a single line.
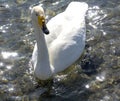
[(41, 22)]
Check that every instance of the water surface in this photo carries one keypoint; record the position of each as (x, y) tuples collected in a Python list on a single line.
[(95, 77)]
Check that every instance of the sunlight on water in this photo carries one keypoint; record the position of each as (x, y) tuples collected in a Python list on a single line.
[(101, 77), (106, 98), (104, 33), (93, 11), (1, 64), (96, 15), (4, 31), (60, 77), (87, 86), (102, 56), (1, 72), (55, 3), (10, 88), (95, 84), (94, 26), (9, 67), (7, 55), (21, 1), (4, 79), (4, 28), (7, 6)]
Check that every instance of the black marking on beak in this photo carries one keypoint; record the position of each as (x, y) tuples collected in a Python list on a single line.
[(45, 29)]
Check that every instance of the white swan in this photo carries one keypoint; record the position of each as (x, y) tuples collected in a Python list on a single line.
[(64, 43)]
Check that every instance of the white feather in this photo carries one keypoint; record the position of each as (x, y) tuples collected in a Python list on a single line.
[(55, 52)]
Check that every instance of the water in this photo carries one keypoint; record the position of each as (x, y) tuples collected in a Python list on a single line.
[(95, 77)]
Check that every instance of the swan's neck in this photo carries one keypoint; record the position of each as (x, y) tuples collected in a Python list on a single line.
[(41, 45), (42, 68)]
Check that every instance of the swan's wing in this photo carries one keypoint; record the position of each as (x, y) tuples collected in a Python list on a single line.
[(64, 51), (55, 28), (70, 42), (74, 11), (34, 56)]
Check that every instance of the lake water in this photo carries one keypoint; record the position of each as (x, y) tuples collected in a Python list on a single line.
[(95, 77)]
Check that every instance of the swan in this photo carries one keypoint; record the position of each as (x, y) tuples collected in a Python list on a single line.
[(60, 42)]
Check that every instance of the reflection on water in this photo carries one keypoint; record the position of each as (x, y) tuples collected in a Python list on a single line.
[(9, 55), (93, 78)]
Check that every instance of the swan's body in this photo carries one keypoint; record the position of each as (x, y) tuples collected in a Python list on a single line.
[(55, 52)]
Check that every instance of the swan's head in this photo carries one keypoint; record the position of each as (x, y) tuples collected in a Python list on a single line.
[(38, 18)]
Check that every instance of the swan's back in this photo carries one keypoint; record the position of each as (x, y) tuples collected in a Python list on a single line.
[(74, 14), (66, 40)]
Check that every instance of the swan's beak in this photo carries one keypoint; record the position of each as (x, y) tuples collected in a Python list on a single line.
[(41, 22), (45, 29)]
